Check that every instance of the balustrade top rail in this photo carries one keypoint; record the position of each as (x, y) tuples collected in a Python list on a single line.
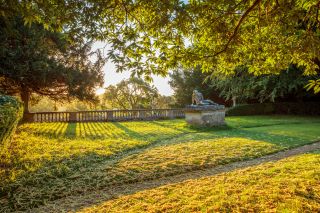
[(105, 115)]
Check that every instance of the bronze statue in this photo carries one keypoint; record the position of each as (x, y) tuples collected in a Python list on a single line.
[(197, 99)]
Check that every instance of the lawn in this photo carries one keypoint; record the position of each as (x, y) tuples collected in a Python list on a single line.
[(49, 161), (290, 185)]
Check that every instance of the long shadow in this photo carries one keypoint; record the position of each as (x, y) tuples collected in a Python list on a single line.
[(50, 130), (62, 174), (128, 132), (85, 130), (162, 124), (71, 131), (276, 139)]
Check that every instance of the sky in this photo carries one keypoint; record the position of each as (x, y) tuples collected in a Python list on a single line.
[(111, 77)]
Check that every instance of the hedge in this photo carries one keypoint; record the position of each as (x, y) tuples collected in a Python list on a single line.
[(11, 111), (286, 108)]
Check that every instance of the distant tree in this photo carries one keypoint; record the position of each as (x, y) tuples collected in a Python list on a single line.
[(45, 104), (132, 93), (162, 102), (184, 81), (242, 86), (35, 60)]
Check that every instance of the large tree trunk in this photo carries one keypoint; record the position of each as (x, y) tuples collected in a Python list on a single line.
[(25, 96)]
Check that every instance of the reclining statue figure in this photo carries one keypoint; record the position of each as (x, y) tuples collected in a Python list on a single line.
[(197, 99)]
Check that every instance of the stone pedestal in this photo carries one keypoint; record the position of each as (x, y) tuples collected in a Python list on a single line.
[(211, 115)]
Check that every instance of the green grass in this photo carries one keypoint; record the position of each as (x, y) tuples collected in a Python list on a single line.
[(49, 161), (290, 185)]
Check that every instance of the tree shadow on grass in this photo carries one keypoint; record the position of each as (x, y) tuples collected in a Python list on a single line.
[(89, 130), (284, 141), (188, 129), (129, 132), (53, 180)]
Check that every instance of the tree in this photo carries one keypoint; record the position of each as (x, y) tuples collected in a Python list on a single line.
[(133, 93), (163, 102), (184, 81), (242, 86), (239, 86), (151, 36), (45, 104), (35, 60)]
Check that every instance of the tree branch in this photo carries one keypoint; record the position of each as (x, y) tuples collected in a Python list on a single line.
[(236, 29)]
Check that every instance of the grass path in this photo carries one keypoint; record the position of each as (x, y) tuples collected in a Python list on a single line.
[(76, 203)]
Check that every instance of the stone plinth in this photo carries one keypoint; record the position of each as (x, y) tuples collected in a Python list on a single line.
[(208, 115)]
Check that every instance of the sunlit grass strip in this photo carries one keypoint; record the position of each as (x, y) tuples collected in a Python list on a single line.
[(178, 158), (290, 185)]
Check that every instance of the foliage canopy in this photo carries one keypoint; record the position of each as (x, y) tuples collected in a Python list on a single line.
[(154, 36), (242, 86)]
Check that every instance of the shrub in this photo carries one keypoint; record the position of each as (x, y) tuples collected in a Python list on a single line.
[(286, 108), (11, 112)]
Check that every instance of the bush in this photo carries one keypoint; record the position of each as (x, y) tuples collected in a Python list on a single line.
[(286, 108), (11, 112)]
